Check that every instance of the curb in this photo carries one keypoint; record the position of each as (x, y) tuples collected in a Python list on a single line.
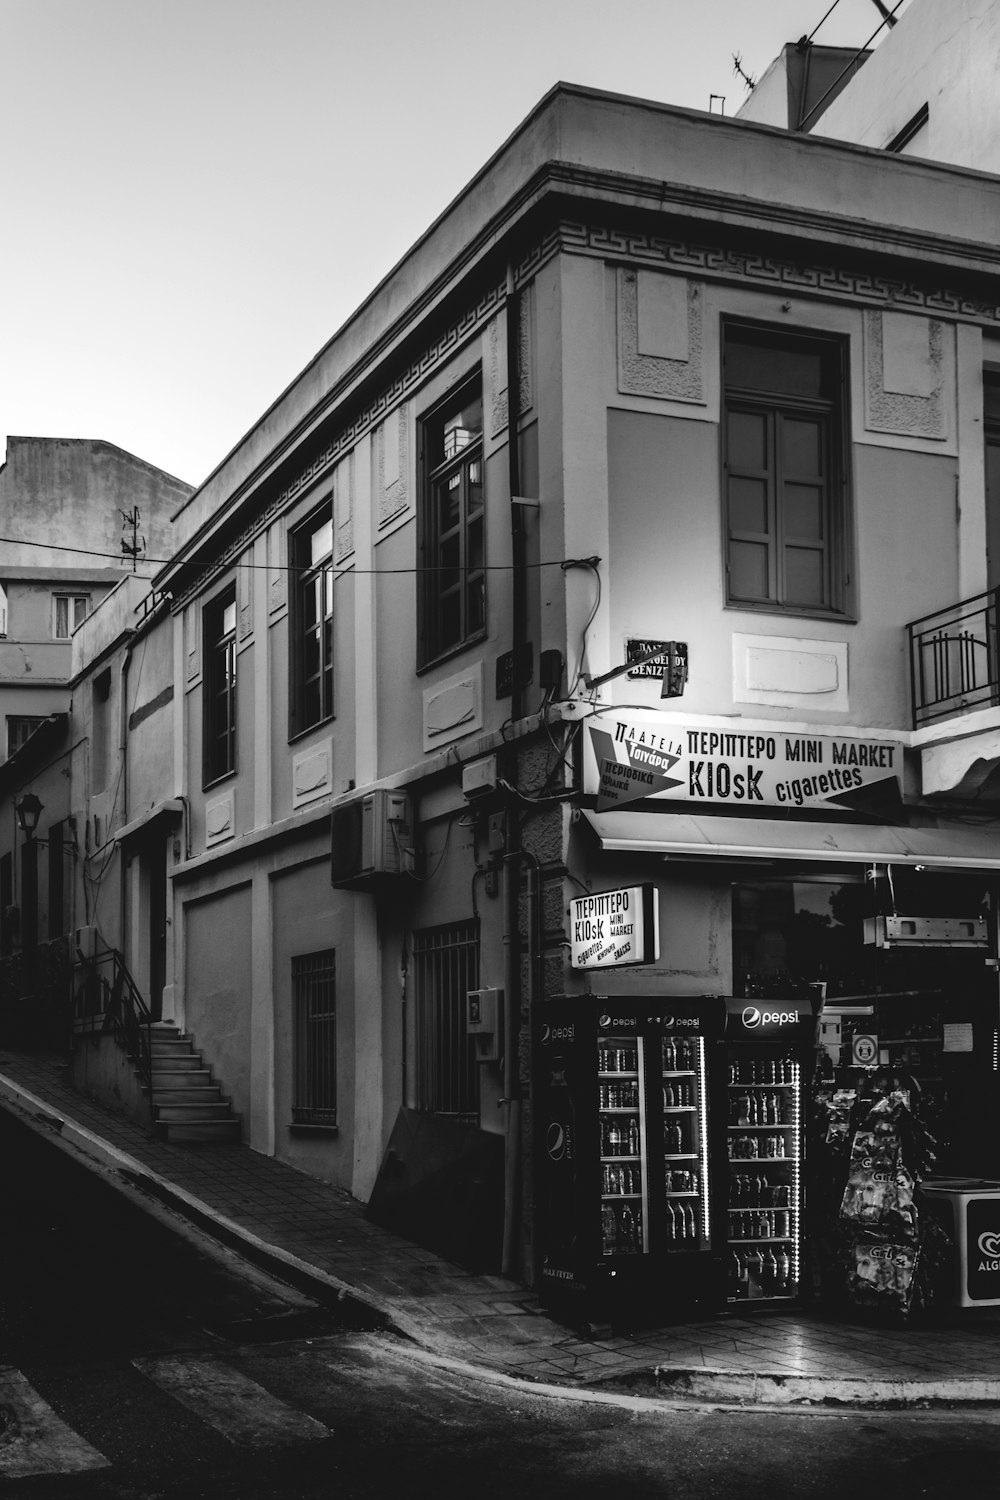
[(757, 1389)]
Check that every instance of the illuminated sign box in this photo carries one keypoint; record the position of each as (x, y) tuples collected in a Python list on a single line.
[(611, 929)]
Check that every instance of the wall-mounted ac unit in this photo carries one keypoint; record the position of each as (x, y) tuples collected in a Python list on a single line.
[(927, 932), (370, 838)]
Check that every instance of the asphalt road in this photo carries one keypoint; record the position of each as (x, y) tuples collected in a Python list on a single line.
[(137, 1366)]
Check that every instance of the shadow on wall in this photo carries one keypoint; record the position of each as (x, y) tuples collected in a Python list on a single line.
[(441, 1185)]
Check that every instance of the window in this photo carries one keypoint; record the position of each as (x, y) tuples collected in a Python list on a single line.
[(314, 1044), (219, 746), (71, 611), (19, 728), (446, 967), (452, 526), (991, 427), (311, 553), (783, 443)]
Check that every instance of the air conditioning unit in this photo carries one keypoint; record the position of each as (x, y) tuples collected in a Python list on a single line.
[(85, 944), (370, 839), (926, 932), (479, 779)]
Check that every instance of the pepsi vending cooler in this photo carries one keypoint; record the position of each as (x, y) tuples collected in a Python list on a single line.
[(770, 1054), (623, 1173)]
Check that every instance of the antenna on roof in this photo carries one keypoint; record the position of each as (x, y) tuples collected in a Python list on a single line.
[(137, 546), (748, 78)]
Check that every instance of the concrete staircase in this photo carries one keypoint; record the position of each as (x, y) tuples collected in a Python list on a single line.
[(188, 1106)]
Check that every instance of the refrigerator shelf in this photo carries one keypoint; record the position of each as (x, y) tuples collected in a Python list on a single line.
[(688, 1194), (766, 1161), (679, 1073), (627, 1073), (741, 1086), (757, 1239), (680, 1156), (622, 1109), (679, 1109), (774, 1125), (619, 1197), (621, 1158)]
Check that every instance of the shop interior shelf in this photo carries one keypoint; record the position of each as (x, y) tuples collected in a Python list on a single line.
[(621, 1158), (691, 1156), (632, 1073), (619, 1197), (778, 1239), (679, 1073), (622, 1109), (691, 1193), (774, 1125), (680, 1109)]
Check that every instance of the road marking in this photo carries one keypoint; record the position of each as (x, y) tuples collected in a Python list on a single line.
[(33, 1440), (240, 1409)]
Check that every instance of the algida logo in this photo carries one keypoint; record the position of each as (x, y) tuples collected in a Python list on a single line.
[(989, 1249)]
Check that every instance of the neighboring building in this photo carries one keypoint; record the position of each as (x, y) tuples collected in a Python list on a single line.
[(63, 502), (647, 380)]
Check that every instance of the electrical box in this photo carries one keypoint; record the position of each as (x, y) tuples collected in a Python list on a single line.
[(926, 932), (479, 778), (85, 944), (483, 1022), (370, 839)]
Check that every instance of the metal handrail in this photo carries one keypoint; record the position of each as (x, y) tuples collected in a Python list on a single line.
[(954, 659), (109, 1000)]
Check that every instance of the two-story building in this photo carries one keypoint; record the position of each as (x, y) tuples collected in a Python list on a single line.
[(654, 377)]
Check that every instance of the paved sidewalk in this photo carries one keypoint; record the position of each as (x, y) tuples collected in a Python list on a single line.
[(317, 1237)]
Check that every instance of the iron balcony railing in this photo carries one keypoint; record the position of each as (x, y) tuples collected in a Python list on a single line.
[(106, 999), (953, 659)]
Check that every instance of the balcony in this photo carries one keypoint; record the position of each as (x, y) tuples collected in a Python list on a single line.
[(955, 692), (953, 660)]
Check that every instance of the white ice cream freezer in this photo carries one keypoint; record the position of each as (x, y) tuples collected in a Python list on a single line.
[(973, 1206)]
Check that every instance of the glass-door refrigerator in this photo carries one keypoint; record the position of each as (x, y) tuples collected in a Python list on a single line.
[(623, 1189), (770, 1053)]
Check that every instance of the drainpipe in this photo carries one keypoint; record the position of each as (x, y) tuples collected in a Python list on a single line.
[(513, 855), (123, 751)]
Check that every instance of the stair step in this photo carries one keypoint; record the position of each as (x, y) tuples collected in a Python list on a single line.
[(180, 1047), (181, 1078), (179, 1062), (208, 1093), (195, 1132), (194, 1113)]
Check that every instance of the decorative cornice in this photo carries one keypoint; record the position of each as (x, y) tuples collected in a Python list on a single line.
[(621, 247)]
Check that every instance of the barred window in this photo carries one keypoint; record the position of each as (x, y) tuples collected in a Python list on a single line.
[(446, 967), (314, 1045)]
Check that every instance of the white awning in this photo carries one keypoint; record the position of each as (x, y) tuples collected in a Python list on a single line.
[(683, 836)]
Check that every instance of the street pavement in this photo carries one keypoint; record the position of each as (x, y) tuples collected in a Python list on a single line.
[(317, 1238)]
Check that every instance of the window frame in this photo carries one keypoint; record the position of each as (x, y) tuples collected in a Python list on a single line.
[(832, 414), (434, 644), (33, 720), (218, 687), (446, 963), (72, 601), (304, 577), (314, 1072)]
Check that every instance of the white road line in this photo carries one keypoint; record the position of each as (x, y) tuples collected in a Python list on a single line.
[(33, 1440), (240, 1409)]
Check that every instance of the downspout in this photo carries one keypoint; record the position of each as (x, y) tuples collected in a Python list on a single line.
[(123, 751), (513, 856)]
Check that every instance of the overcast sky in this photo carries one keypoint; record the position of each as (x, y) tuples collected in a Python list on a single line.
[(195, 194)]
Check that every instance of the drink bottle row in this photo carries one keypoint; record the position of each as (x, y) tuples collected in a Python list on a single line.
[(760, 1273), (620, 1136), (678, 1094), (680, 1180), (619, 1095), (762, 1070), (752, 1147), (618, 1059), (756, 1109), (622, 1180), (621, 1229), (759, 1224), (681, 1222), (678, 1056), (746, 1191)]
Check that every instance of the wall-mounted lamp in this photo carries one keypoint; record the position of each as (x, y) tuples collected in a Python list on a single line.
[(29, 809)]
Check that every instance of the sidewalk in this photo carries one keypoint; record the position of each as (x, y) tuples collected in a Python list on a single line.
[(317, 1237)]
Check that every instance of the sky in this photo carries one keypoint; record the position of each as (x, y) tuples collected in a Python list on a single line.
[(196, 194)]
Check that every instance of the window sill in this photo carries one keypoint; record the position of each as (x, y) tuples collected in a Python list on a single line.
[(301, 1128), (210, 786), (446, 656), (791, 611), (300, 734)]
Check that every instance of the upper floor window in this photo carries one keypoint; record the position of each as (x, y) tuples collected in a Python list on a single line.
[(311, 553), (452, 594), (19, 728), (783, 440), (70, 611), (219, 718)]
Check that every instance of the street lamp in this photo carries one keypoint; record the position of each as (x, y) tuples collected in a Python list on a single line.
[(29, 809)]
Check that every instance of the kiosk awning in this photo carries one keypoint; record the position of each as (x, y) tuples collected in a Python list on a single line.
[(682, 836)]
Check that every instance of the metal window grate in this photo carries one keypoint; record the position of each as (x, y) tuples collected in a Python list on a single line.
[(314, 993), (446, 967)]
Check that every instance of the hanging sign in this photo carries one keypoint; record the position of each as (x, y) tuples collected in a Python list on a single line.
[(633, 755), (611, 929)]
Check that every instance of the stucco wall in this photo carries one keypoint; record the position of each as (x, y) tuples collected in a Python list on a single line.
[(217, 989)]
